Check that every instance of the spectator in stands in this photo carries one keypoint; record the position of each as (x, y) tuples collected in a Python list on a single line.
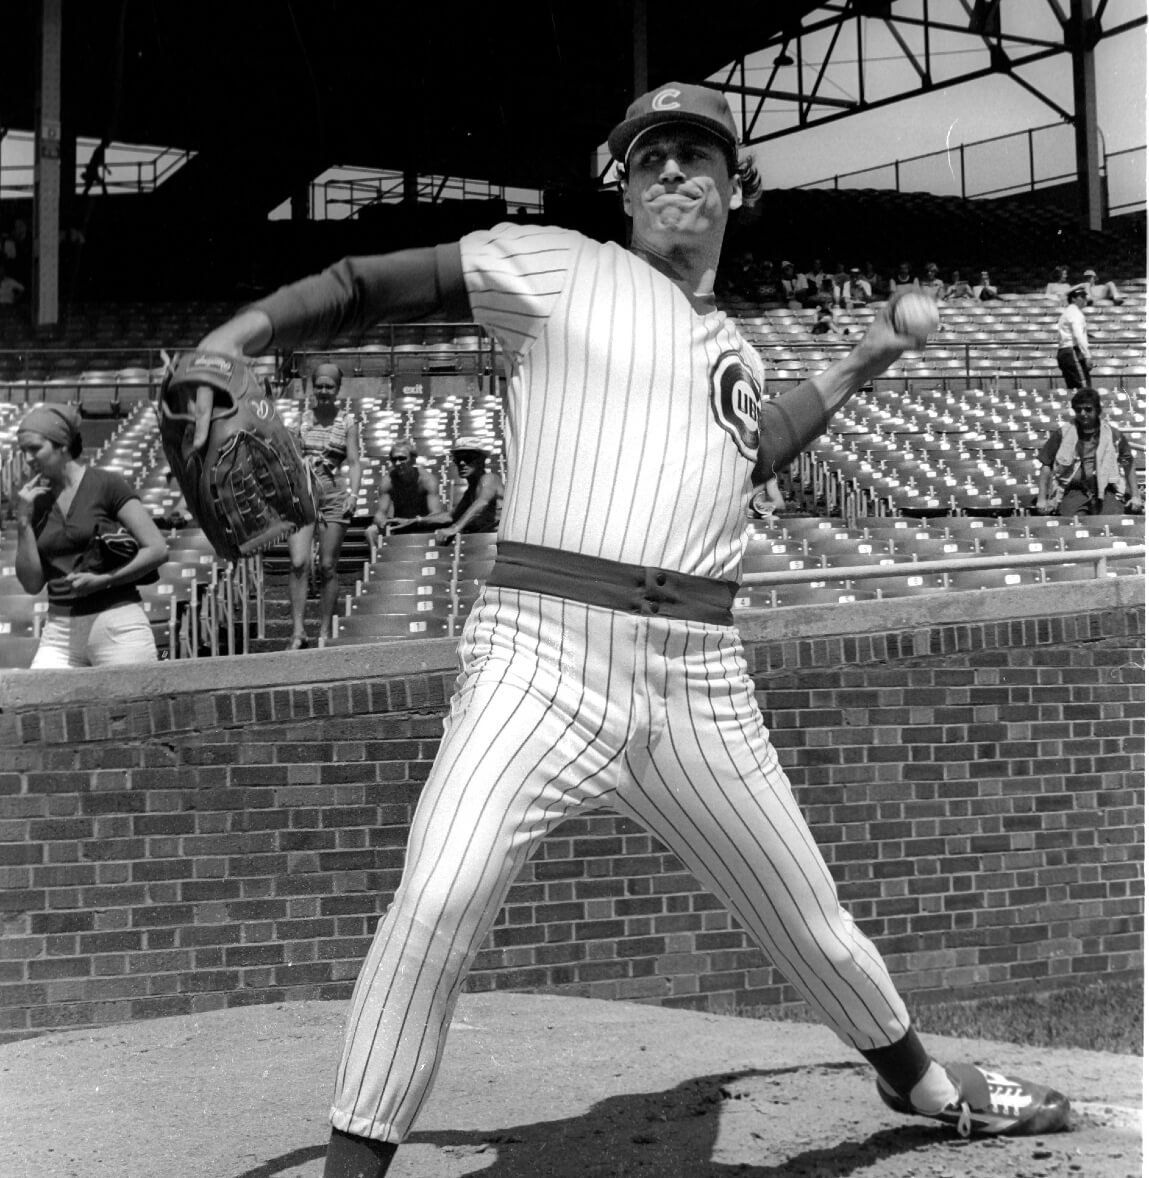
[(746, 276), (984, 290), (11, 291), (1087, 465), (817, 274), (959, 290), (769, 285), (795, 287), (478, 507), (328, 437), (825, 319), (96, 169), (408, 497), (1073, 355), (1059, 287), (857, 291), (932, 284), (17, 249), (1101, 290), (95, 616), (903, 279)]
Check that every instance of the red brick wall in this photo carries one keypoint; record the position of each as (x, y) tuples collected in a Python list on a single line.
[(976, 787)]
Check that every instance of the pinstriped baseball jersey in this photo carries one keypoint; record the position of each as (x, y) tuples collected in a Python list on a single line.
[(632, 417)]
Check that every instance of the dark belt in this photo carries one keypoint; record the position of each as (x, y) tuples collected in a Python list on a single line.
[(630, 588)]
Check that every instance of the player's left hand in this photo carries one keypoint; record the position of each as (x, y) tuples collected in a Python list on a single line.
[(445, 535)]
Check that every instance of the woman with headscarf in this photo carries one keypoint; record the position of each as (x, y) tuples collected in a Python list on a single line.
[(328, 438), (95, 616)]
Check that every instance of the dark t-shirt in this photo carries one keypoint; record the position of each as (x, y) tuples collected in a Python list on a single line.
[(486, 521), (409, 497), (62, 541)]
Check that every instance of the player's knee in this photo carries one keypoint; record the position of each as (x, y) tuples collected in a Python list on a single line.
[(327, 570), (299, 568)]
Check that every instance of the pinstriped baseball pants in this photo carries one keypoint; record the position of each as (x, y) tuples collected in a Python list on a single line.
[(561, 705)]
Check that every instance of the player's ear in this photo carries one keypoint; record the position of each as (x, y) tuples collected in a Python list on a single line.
[(735, 191)]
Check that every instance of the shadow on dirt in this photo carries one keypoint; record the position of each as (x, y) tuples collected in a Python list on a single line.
[(671, 1134)]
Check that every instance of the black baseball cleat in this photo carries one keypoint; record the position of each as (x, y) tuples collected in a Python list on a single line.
[(992, 1103)]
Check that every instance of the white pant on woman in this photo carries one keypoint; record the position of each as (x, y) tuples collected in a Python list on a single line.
[(111, 638)]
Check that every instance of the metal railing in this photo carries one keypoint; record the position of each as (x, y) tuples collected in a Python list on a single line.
[(119, 176), (1004, 165), (1098, 557)]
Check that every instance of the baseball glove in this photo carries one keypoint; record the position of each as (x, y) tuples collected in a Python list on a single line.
[(245, 483)]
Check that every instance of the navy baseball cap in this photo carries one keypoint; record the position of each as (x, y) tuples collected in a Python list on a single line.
[(676, 102)]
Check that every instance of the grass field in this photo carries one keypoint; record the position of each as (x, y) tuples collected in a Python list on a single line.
[(1106, 1016)]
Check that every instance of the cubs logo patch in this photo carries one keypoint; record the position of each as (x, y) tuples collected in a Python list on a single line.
[(734, 396)]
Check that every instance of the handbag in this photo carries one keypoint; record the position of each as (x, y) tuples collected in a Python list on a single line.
[(108, 551)]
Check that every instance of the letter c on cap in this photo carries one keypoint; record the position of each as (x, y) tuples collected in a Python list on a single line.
[(665, 100)]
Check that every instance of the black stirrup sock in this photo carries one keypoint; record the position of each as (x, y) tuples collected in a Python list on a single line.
[(349, 1156), (902, 1064)]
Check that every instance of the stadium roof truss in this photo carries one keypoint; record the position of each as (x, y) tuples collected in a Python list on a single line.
[(865, 54)]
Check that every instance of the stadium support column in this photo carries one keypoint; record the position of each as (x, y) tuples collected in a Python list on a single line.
[(639, 41), (46, 205), (1082, 34)]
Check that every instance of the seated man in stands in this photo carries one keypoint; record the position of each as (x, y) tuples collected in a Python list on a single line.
[(769, 286), (984, 290), (795, 287), (1060, 286), (932, 284), (479, 506), (408, 498), (959, 290), (903, 279), (857, 290), (1087, 465), (1097, 289), (740, 279)]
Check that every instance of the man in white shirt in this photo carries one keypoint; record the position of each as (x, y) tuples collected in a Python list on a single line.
[(1073, 355), (857, 291)]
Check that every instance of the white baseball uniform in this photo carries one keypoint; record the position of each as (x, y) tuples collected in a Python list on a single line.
[(599, 665)]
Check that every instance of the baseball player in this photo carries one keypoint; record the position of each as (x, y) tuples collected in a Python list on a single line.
[(599, 664)]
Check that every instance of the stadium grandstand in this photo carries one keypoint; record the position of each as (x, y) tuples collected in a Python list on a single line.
[(913, 516)]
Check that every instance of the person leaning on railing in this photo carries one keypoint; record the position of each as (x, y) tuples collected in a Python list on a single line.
[(408, 497)]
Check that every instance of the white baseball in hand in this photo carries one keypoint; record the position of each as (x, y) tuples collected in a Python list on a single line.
[(915, 315)]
